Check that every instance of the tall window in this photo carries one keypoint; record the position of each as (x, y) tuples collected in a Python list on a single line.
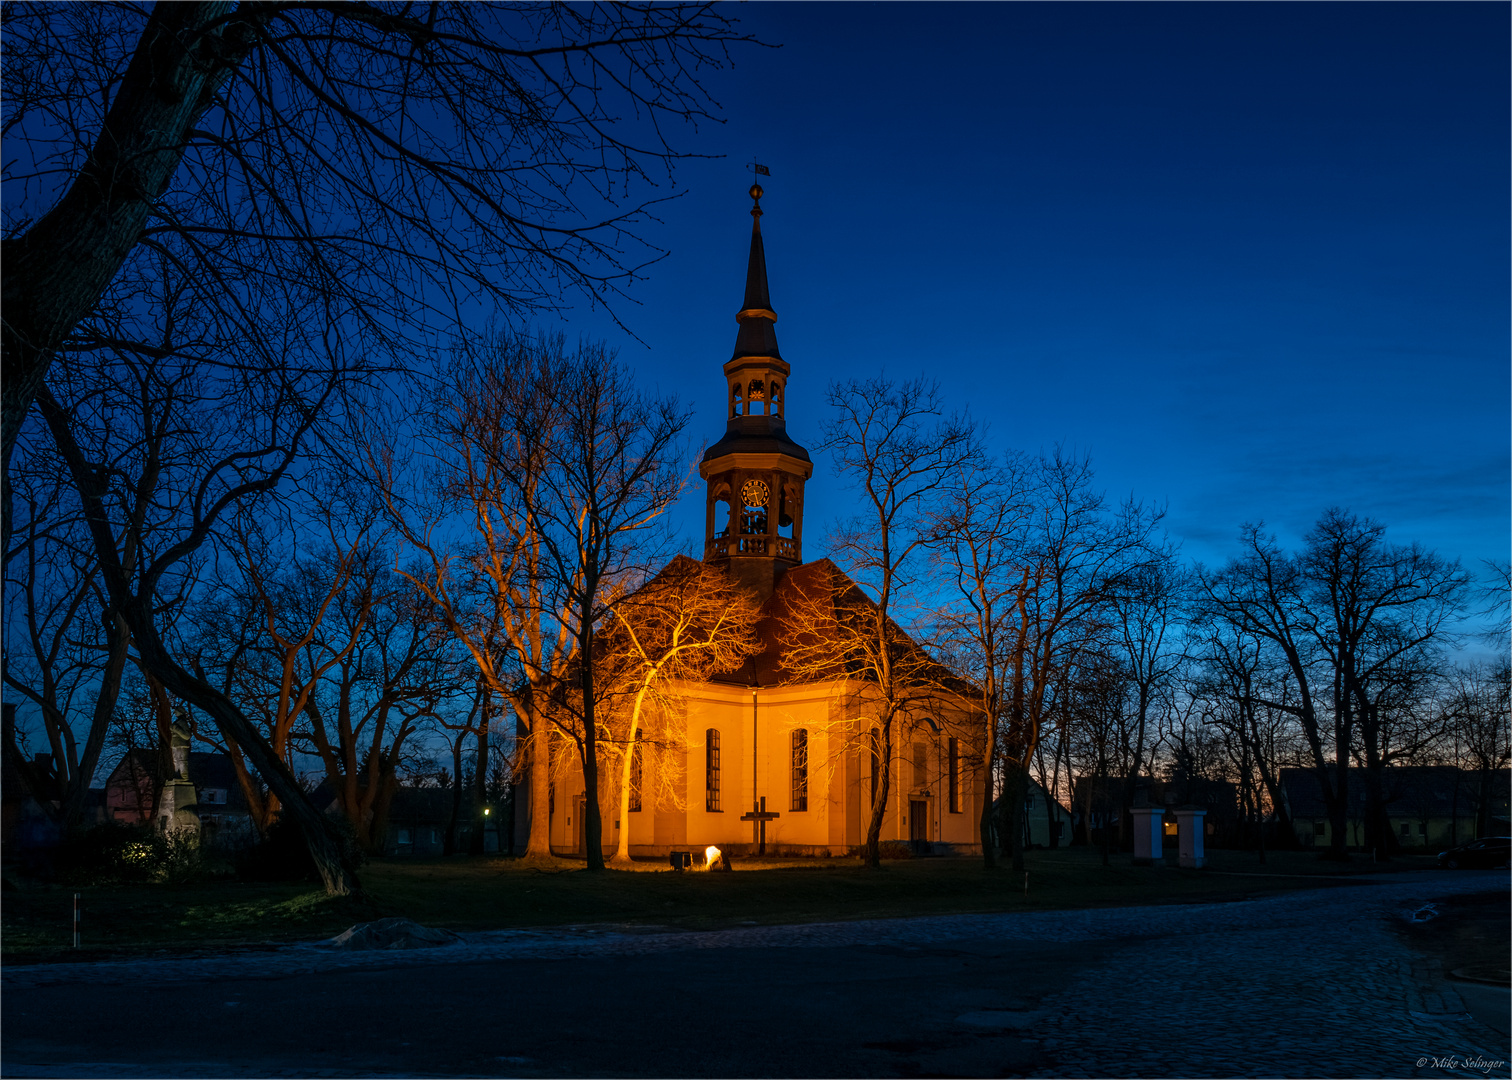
[(953, 753), (921, 764), (635, 774), (876, 763), (800, 769), (711, 770)]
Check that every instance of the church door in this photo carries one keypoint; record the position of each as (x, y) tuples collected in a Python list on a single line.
[(918, 826)]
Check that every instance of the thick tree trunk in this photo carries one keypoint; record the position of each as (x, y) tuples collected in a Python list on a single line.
[(1378, 838), (1337, 804), (56, 271), (627, 765), (593, 822), (119, 640), (1051, 836), (1487, 779), (476, 844), (383, 801), (538, 844), (449, 844), (984, 823), (882, 762), (1015, 785)]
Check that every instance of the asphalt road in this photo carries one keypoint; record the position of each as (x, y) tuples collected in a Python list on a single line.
[(1318, 983)]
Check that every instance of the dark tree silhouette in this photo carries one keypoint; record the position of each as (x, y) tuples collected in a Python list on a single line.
[(224, 215), (402, 162)]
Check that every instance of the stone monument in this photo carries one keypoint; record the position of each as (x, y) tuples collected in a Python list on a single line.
[(175, 804)]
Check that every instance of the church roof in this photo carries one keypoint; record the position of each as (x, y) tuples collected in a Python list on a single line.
[(823, 596), (767, 438)]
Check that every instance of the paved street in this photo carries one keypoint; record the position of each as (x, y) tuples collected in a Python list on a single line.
[(1316, 983)]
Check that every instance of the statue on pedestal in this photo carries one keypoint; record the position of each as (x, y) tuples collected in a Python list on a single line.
[(175, 805)]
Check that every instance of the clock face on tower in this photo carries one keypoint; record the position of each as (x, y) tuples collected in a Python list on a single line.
[(754, 493)]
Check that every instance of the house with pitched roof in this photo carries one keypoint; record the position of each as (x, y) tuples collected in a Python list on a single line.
[(1429, 807), (135, 783)]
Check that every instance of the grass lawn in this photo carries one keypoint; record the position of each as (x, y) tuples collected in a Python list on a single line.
[(497, 893)]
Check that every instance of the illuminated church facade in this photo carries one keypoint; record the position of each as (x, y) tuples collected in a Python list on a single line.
[(768, 763)]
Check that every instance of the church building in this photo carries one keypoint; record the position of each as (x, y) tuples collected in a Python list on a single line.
[(773, 764)]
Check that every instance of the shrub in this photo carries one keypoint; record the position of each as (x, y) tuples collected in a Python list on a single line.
[(179, 857), (114, 853), (895, 849)]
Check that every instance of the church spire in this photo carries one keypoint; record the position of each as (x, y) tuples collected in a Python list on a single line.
[(758, 335), (755, 474)]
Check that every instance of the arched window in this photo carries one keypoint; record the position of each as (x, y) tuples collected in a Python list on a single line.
[(711, 770), (756, 393), (954, 776), (734, 399), (800, 770), (876, 763), (776, 399), (635, 774)]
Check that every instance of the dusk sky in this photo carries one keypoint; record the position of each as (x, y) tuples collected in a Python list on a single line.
[(1252, 258)]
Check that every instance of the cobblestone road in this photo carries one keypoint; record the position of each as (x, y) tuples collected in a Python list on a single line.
[(1314, 983)]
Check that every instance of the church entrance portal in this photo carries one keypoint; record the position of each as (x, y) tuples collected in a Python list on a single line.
[(918, 826)]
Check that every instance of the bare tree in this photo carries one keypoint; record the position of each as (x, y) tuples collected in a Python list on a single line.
[(1494, 595), (561, 467), (979, 535), (613, 470), (1236, 682), (400, 162), (894, 443), (687, 623), (62, 641), (1077, 555), (1091, 699), (1151, 605), (402, 672), (264, 200), (150, 513), (274, 633), (1479, 724), (1344, 615)]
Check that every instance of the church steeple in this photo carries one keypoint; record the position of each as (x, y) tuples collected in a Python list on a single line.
[(755, 473), (758, 332)]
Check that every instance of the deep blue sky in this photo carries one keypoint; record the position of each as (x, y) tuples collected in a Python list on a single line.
[(1252, 258)]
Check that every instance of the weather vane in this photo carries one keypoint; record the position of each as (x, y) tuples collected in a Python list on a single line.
[(757, 169)]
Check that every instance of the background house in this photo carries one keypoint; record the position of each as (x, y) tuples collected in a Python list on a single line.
[(1429, 807), (418, 818), (133, 786), (1046, 823), (1097, 803)]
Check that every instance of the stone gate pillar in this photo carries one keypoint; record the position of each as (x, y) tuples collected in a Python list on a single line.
[(1148, 837), (1189, 827)]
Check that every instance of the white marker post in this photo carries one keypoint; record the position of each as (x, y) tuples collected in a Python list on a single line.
[(1149, 839), (1189, 831)]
